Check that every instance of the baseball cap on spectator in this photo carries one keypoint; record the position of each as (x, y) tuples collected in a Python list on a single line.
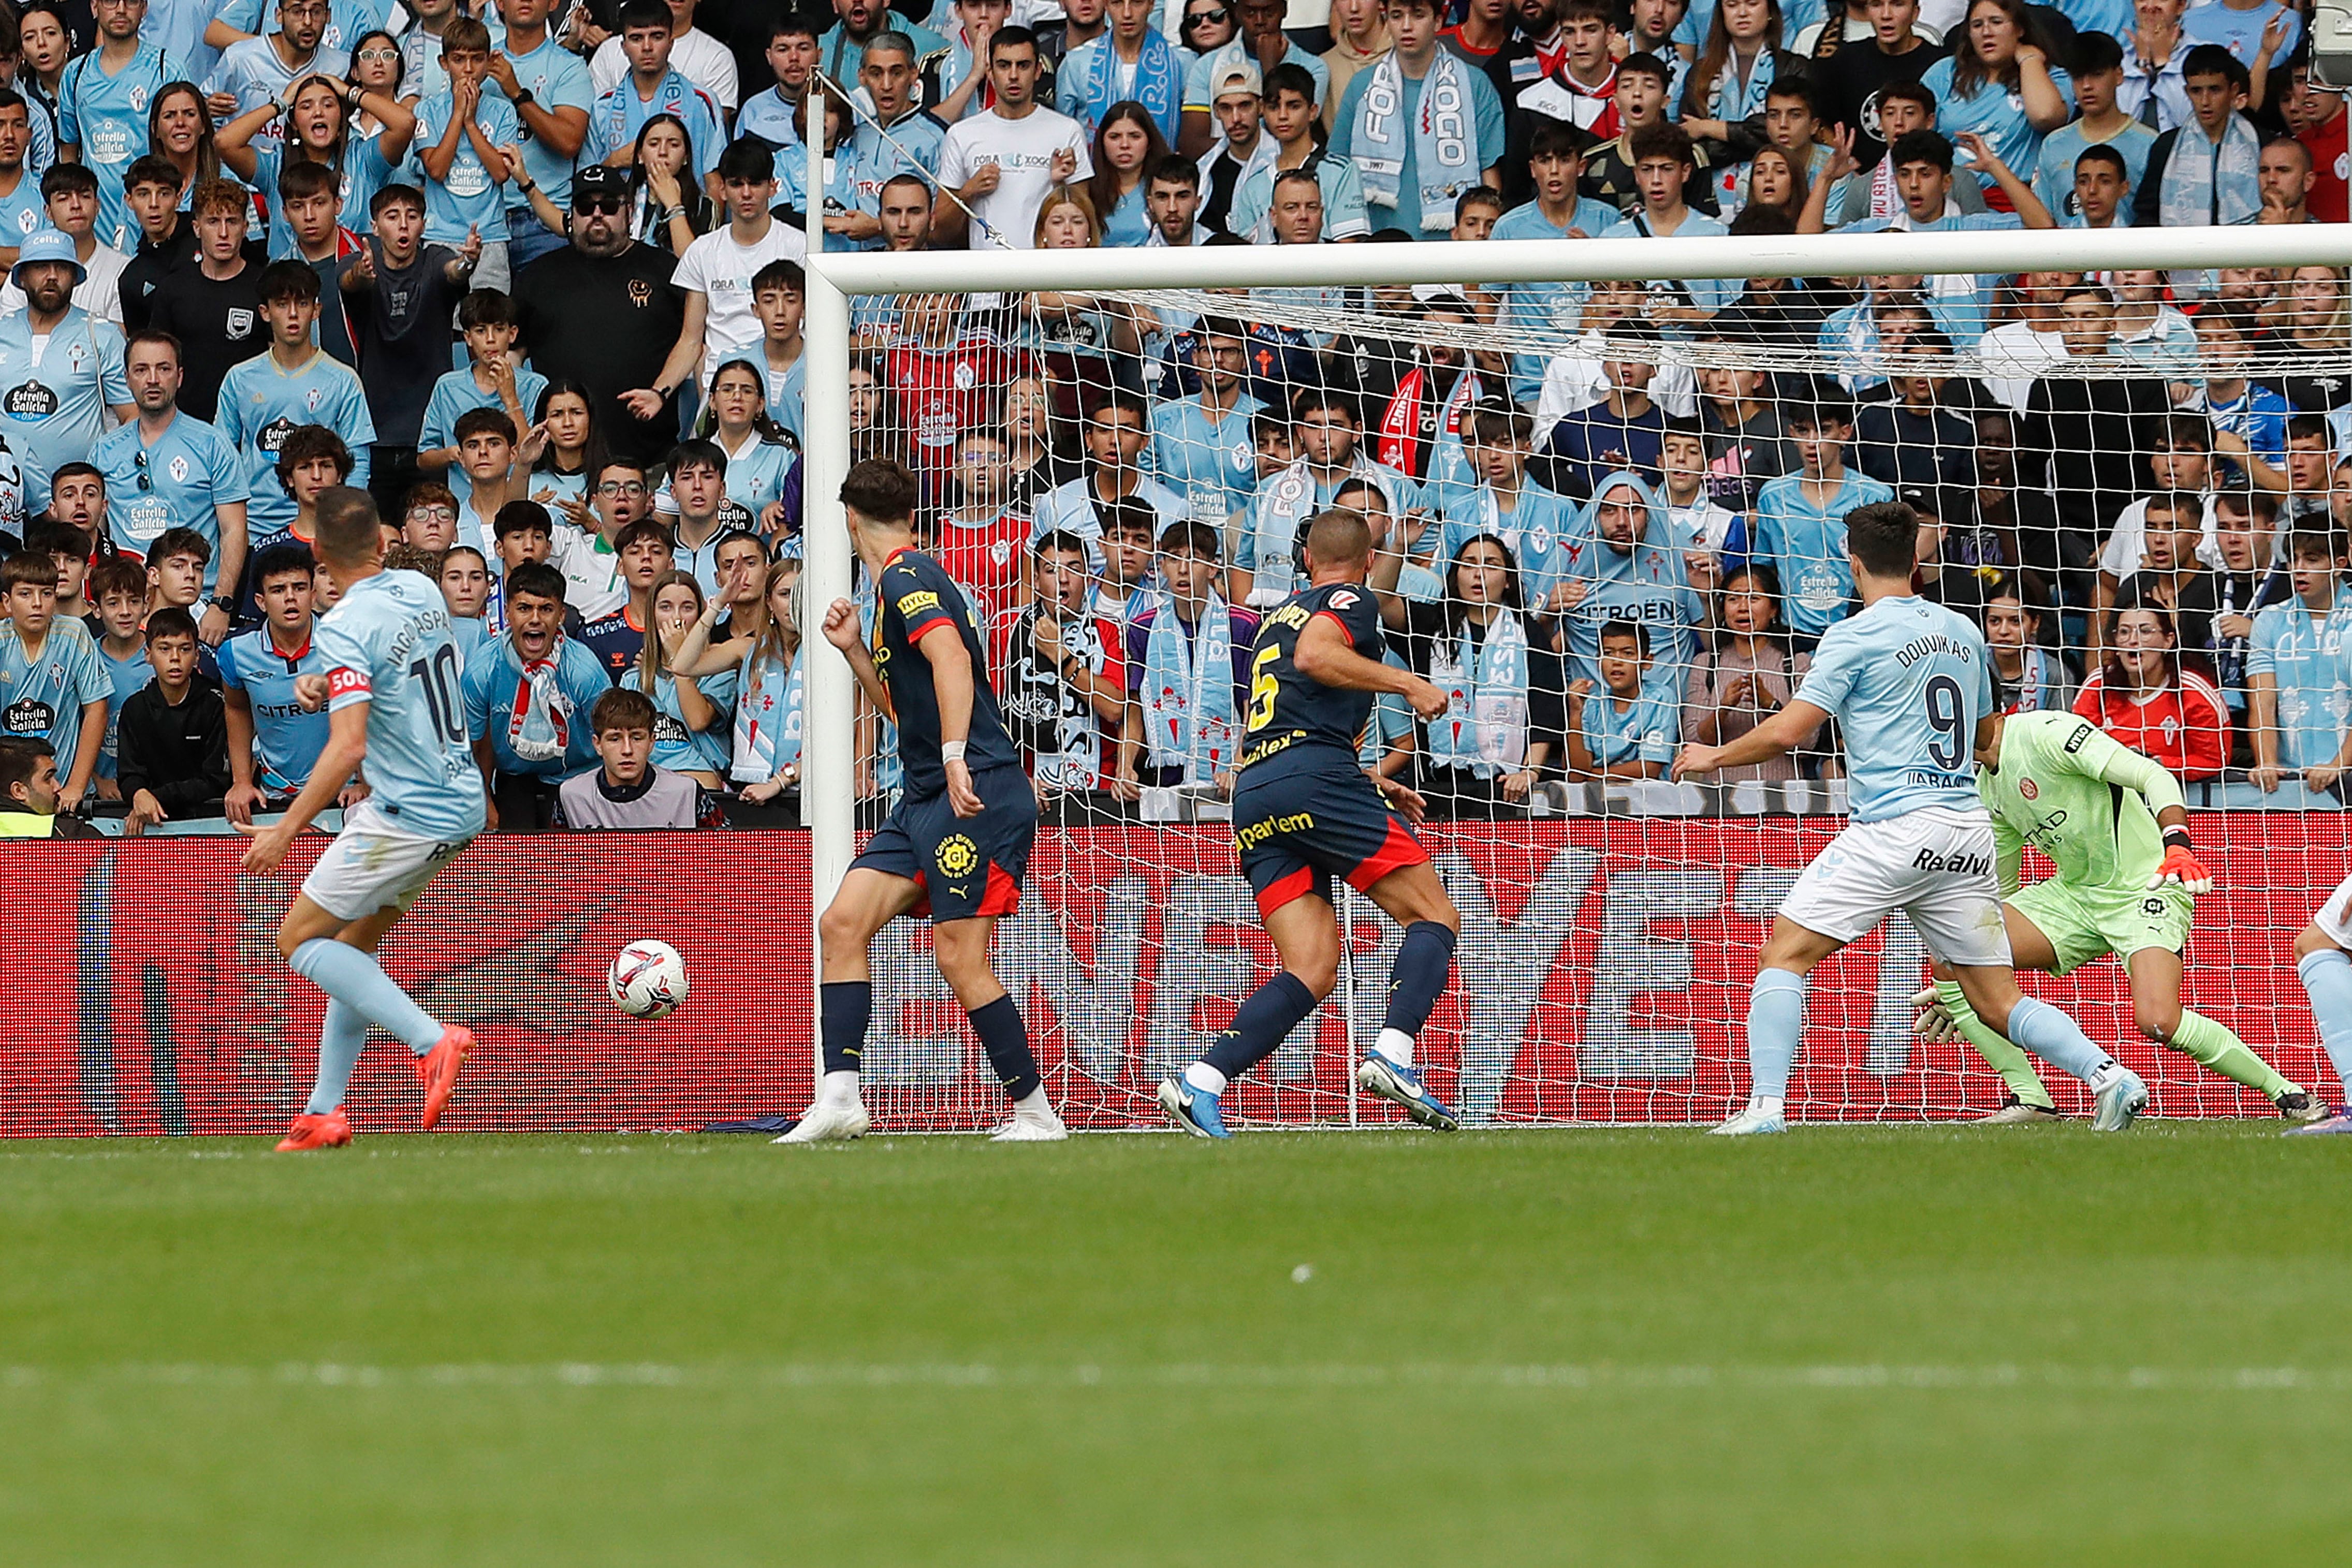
[(1243, 79), (47, 244), (600, 180)]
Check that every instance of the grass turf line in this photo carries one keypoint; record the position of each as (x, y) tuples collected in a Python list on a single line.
[(1864, 1345)]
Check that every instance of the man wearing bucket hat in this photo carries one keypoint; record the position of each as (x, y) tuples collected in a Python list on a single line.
[(61, 367)]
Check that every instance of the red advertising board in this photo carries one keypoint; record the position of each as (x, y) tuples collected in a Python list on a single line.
[(1602, 976)]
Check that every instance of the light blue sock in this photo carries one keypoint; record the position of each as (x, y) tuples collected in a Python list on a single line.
[(2056, 1039), (2327, 977), (339, 1051), (1776, 1020), (354, 977)]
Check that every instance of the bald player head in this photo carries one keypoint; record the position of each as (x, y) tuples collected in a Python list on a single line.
[(350, 541), (1338, 547)]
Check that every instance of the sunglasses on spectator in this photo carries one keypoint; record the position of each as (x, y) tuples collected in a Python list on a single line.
[(139, 461), (589, 205)]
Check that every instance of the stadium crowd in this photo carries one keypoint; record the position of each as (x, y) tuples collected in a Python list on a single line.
[(531, 275)]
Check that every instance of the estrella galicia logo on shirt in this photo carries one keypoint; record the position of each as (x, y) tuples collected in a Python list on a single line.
[(958, 855), (271, 438), (31, 402), (33, 717)]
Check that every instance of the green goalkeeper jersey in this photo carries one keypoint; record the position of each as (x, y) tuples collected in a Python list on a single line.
[(2086, 801)]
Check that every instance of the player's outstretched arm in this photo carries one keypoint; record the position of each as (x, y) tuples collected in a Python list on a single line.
[(345, 749), (2100, 756), (1783, 732), (842, 629), (1323, 654)]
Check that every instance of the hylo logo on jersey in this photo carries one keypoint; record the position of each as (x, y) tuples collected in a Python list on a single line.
[(2029, 788), (958, 855)]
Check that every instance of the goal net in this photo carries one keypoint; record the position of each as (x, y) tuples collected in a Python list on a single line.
[(1620, 503)]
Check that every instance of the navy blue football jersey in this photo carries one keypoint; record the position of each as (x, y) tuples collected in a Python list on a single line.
[(916, 594), (1287, 708)]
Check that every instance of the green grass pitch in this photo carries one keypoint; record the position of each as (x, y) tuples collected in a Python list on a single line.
[(1897, 1346)]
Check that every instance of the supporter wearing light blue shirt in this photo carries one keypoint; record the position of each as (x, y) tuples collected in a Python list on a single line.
[(1907, 682), (1344, 213), (2054, 179), (60, 371), (551, 739), (1385, 133), (677, 745), (466, 197), (1202, 75), (259, 672), (1540, 529), (1624, 563), (256, 71), (361, 174), (557, 81), (1797, 524), (618, 115), (1709, 295), (103, 99), (23, 213), (54, 686), (170, 470), (267, 398), (345, 23), (2296, 666), (388, 644), (1646, 730), (129, 672), (756, 472), (1556, 212), (457, 393), (2002, 115), (2240, 30), (1202, 447)]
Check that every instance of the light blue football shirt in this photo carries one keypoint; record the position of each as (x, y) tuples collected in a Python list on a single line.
[(388, 644), (262, 404), (1907, 682), (1212, 463), (176, 482), (556, 78), (469, 198), (54, 394), (285, 740), (105, 116), (41, 697)]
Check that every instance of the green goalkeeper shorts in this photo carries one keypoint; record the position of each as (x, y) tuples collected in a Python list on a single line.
[(2085, 926)]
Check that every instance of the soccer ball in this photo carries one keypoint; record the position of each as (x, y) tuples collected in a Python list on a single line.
[(647, 979)]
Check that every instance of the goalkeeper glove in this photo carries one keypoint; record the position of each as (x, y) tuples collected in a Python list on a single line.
[(1932, 1024), (2182, 866)]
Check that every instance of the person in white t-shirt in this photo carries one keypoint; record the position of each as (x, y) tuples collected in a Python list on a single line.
[(693, 54), (716, 274), (999, 166)]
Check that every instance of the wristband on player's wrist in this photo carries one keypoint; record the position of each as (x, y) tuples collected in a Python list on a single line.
[(2178, 839), (951, 750)]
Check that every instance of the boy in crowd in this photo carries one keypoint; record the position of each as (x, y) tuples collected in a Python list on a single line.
[(625, 790), (2099, 123), (309, 198), (1399, 192), (1289, 114), (211, 308), (2206, 172), (70, 546), (119, 586), (716, 274), (2100, 197), (459, 133), (528, 705), (780, 300), (292, 384), (617, 636), (1664, 162), (1201, 445), (167, 238), (2248, 581), (1115, 471), (1626, 730), (400, 293), (1127, 586), (520, 535), (56, 687), (1703, 529), (1799, 524), (1555, 169), (1187, 674), (273, 741), (652, 87), (982, 538), (1536, 524), (173, 743), (1641, 102), (312, 461), (2298, 700), (698, 487), (1623, 430), (1324, 430), (1060, 673), (495, 378), (485, 444)]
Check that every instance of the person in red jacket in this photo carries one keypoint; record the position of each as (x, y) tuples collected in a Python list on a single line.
[(2143, 698)]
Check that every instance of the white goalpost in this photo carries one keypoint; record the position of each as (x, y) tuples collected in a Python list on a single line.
[(1633, 892)]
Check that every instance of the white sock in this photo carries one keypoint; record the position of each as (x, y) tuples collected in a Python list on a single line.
[(1204, 1078), (839, 1089), (1765, 1105), (1036, 1108), (1395, 1045)]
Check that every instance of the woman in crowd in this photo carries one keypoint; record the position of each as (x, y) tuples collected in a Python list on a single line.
[(759, 454), (1747, 676), (2027, 676), (764, 650), (690, 712), (1496, 664), (1776, 185), (1035, 460), (47, 50), (562, 452), (1087, 342), (667, 207), (1207, 27), (180, 131), (2144, 698), (318, 130), (1723, 96), (875, 429), (376, 66), (1999, 83), (2316, 329), (1127, 144)]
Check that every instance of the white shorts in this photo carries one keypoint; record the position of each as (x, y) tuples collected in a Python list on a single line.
[(2335, 917), (1936, 865), (372, 866)]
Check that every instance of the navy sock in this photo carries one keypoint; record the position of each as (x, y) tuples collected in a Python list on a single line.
[(1264, 1022), (845, 1007), (1423, 966), (1006, 1039)]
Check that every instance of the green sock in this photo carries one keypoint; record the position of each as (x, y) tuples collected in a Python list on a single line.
[(2212, 1045), (2000, 1055)]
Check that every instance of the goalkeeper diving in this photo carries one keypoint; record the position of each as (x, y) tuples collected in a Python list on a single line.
[(2114, 825)]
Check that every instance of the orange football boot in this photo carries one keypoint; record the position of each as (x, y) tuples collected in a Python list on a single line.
[(437, 1071), (330, 1131)]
